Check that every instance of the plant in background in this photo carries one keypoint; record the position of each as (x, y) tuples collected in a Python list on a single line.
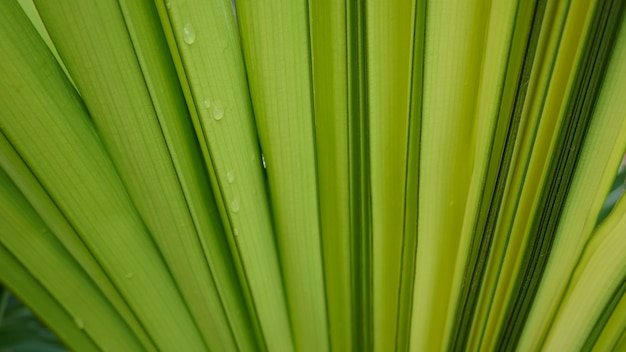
[(20, 330), (315, 175)]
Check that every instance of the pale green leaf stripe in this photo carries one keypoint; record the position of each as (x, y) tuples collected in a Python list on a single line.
[(107, 72), (411, 201), (330, 97), (17, 279), (275, 37), (547, 75), (613, 328), (567, 110), (47, 124), (603, 149), (535, 82), (610, 323), (59, 226), (28, 238), (499, 82), (472, 312), (602, 265), (590, 49), (159, 72), (451, 81), (204, 44), (389, 43)]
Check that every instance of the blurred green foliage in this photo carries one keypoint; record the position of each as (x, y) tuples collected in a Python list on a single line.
[(20, 330)]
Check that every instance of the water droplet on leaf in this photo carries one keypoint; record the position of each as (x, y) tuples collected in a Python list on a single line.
[(218, 112), (189, 34), (234, 205), (230, 176), (80, 323)]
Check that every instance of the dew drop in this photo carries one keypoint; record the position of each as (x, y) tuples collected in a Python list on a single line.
[(263, 161), (218, 112), (168, 4), (80, 323), (230, 176), (234, 205), (129, 275), (189, 35), (207, 103), (236, 231)]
